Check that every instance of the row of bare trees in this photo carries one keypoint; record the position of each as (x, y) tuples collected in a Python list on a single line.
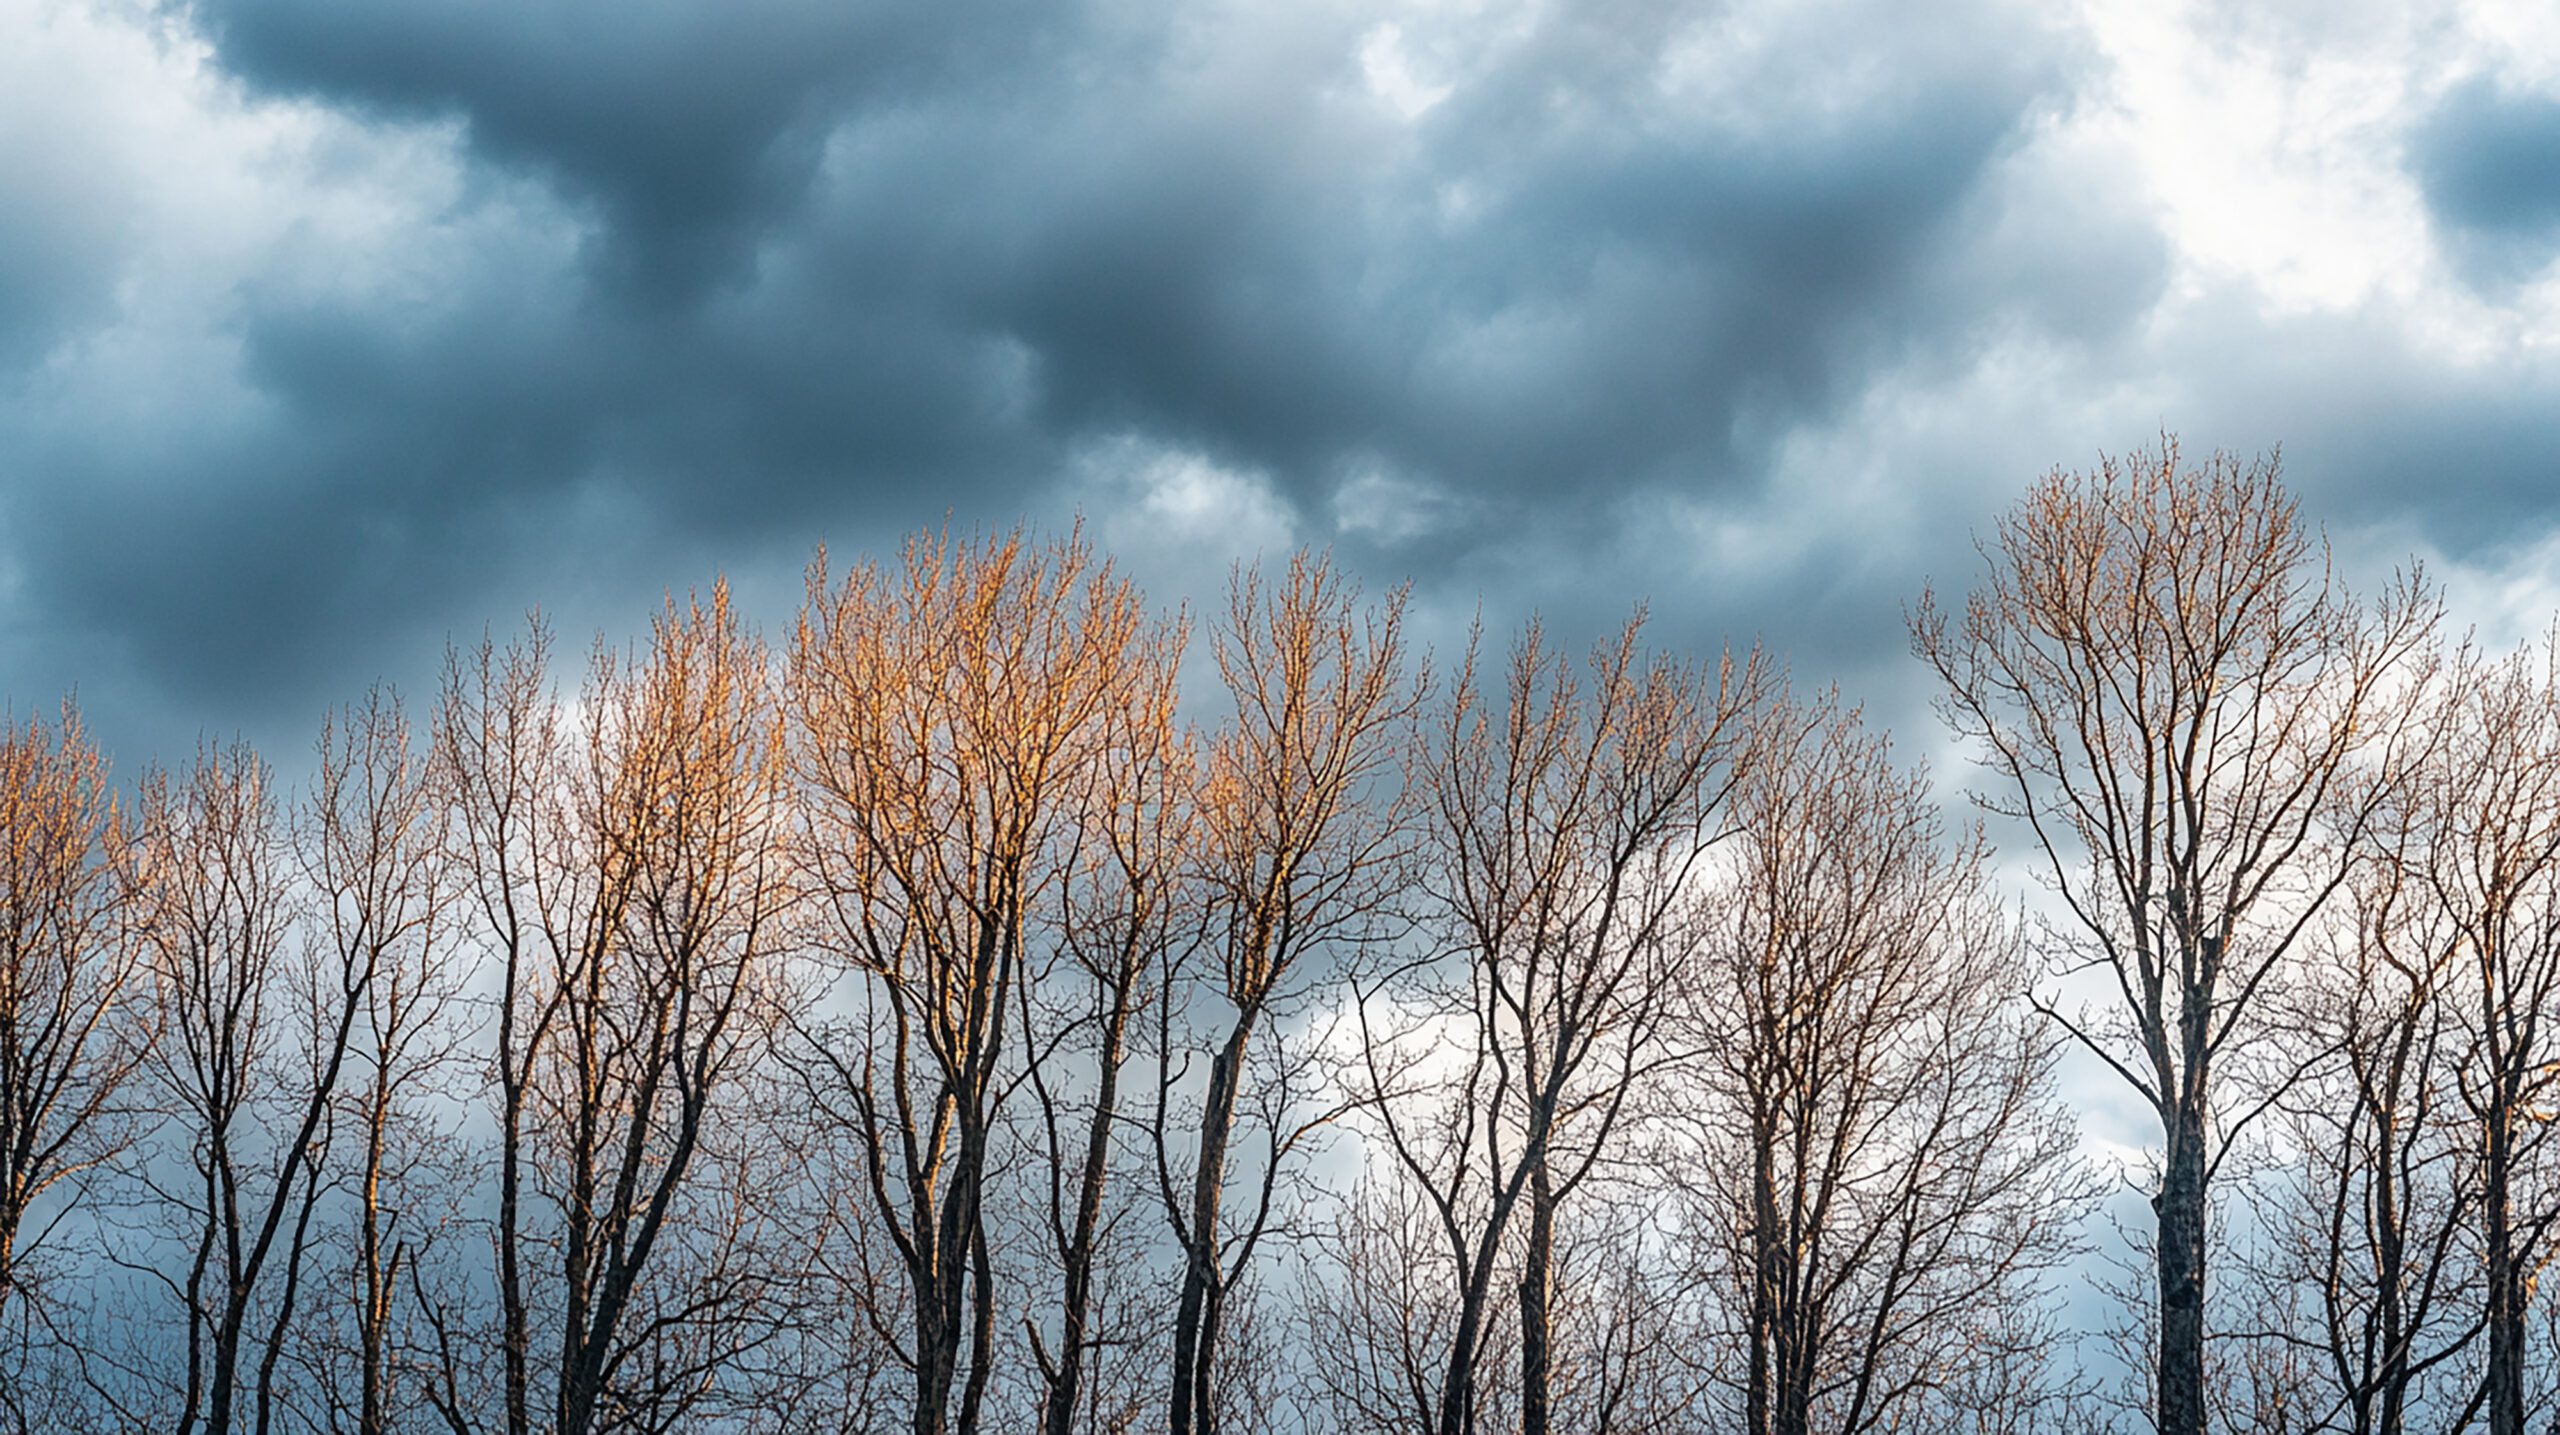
[(937, 1022)]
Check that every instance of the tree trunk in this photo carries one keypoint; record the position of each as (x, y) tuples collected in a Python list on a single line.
[(1059, 1409), (948, 1310), (2391, 1265), (1535, 1301), (937, 1362), (1766, 1251), (941, 1310), (372, 1411), (982, 1333), (2505, 1314), (1458, 1385), (2181, 1252), (1194, 1331), (517, 1325), (226, 1357)]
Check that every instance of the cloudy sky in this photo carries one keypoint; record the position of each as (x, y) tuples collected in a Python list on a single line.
[(329, 330)]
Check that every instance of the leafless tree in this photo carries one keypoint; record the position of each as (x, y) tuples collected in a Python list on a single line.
[(501, 740), (1565, 825), (73, 997), (2174, 690), (1379, 1296), (943, 716), (1296, 847), (2360, 1263), (382, 888), (2492, 866), (255, 1036), (629, 872), (1123, 906), (1617, 1347), (1378, 1308), (1871, 1138)]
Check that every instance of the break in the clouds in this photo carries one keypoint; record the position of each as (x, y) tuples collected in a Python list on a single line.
[(327, 329)]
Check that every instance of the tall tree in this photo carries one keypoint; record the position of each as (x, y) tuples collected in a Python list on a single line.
[(255, 1033), (1123, 905), (2174, 692), (501, 741), (1869, 1139), (631, 873), (1296, 856), (382, 890), (2361, 1255), (1565, 820), (944, 716), (71, 981), (2492, 804), (74, 1003)]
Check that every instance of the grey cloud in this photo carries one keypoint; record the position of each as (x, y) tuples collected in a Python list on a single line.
[(57, 263), (869, 264), (691, 127), (63, 234), (2488, 161)]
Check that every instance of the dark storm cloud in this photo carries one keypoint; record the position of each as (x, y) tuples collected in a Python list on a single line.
[(875, 263), (690, 126), (2488, 161)]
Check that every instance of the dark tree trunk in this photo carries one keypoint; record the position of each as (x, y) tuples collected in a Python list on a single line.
[(1194, 1329), (2506, 1275), (2391, 1264), (517, 1323), (944, 1304), (1536, 1324), (1065, 1383), (2181, 1254)]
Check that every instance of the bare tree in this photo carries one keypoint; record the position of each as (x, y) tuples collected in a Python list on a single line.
[(944, 716), (2492, 864), (2172, 689), (1870, 1138), (630, 873), (1295, 852), (382, 887), (74, 1008), (501, 742), (1123, 906), (1565, 826), (2364, 1227), (255, 1039), (70, 973), (1379, 1309), (1616, 1348)]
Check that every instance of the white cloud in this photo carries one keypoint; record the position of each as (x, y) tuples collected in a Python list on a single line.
[(2271, 144), (1177, 518), (1390, 73)]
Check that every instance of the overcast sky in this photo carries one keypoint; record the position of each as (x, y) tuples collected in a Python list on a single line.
[(328, 330)]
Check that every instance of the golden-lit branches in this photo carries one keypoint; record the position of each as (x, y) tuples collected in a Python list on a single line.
[(1297, 853), (252, 1046), (71, 1016), (382, 887), (1123, 906), (630, 872), (2489, 806), (944, 717)]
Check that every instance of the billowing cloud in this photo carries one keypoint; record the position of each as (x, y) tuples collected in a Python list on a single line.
[(327, 329)]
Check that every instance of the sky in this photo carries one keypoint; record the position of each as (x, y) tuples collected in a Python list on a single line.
[(331, 333)]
